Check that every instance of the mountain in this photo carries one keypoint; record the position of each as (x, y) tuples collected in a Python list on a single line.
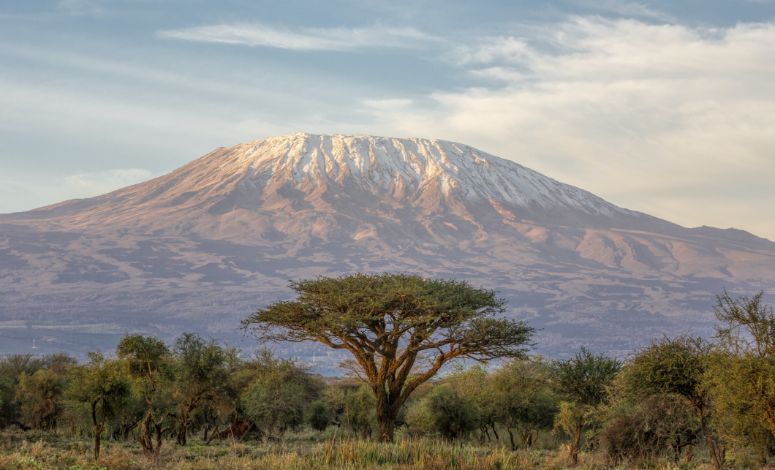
[(203, 246)]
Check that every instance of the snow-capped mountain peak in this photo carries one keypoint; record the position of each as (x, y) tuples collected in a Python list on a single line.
[(405, 168)]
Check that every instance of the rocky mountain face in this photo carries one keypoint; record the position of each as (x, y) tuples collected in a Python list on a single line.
[(200, 248)]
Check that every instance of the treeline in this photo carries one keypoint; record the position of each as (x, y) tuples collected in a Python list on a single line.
[(153, 393), (672, 399)]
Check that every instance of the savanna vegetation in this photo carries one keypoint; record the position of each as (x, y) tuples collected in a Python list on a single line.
[(681, 402)]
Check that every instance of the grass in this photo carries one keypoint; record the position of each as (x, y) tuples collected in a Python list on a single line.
[(19, 451)]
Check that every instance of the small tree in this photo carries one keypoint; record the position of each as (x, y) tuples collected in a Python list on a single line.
[(149, 363), (740, 376), (353, 406), (523, 395), (676, 367), (658, 425), (279, 394), (201, 375), (40, 398), (391, 324), (583, 381), (318, 415), (452, 415), (11, 370), (105, 387), (475, 385)]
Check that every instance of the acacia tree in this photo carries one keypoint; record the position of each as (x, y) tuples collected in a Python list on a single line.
[(475, 385), (400, 329), (201, 375), (11, 370), (149, 363), (741, 375), (676, 367), (584, 381), (522, 393), (40, 388), (105, 386), (40, 398)]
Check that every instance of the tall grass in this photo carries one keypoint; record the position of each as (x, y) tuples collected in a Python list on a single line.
[(20, 452)]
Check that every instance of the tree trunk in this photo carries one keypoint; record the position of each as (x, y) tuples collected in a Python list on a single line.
[(527, 438), (182, 433), (213, 434), (718, 453), (511, 439), (184, 421), (145, 434), (158, 442), (387, 425), (495, 432), (387, 411), (97, 430), (97, 441), (575, 444)]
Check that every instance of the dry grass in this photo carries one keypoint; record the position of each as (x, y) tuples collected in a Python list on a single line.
[(31, 452)]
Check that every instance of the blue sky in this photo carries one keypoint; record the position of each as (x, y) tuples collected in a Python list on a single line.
[(664, 107)]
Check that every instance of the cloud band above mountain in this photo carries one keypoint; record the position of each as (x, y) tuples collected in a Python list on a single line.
[(302, 39)]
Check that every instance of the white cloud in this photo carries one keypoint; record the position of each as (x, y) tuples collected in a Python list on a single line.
[(668, 119), (94, 183), (309, 39)]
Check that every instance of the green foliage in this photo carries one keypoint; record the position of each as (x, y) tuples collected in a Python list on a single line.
[(524, 398), (279, 394), (660, 425), (669, 366), (585, 378), (40, 398), (570, 418), (147, 356), (327, 307), (103, 384), (445, 412), (201, 378), (676, 367), (353, 407), (150, 363), (105, 388), (583, 381), (475, 385), (740, 376), (747, 324), (318, 415), (738, 386), (11, 370)]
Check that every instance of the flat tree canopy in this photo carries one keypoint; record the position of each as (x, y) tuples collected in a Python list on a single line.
[(400, 329)]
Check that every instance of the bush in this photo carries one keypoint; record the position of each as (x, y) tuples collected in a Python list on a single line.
[(662, 425), (318, 415), (445, 412)]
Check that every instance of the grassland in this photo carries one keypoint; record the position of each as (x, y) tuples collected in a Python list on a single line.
[(37, 451)]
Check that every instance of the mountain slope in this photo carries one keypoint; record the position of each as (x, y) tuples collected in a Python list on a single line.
[(204, 245)]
